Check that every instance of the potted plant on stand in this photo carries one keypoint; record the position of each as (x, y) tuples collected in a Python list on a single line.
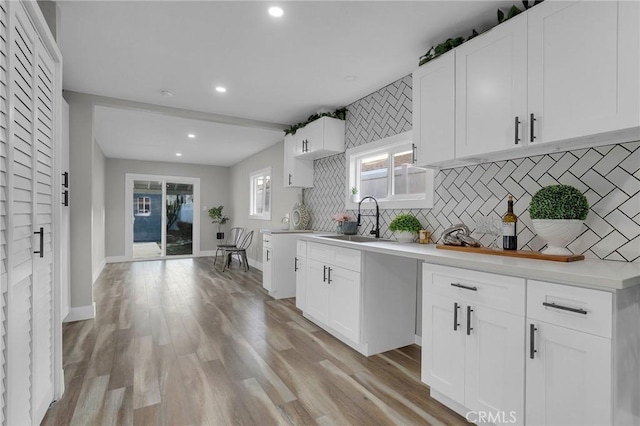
[(557, 213), (215, 213), (405, 227)]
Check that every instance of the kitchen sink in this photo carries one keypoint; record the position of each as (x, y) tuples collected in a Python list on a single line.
[(354, 238)]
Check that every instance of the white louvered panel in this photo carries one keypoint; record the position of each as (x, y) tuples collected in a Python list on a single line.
[(4, 129), (20, 325)]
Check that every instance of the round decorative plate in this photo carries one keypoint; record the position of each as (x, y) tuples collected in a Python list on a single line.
[(300, 217)]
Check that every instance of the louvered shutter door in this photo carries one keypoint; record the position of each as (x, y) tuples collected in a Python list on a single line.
[(4, 117), (43, 274)]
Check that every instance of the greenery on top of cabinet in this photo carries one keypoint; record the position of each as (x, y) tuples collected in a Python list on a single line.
[(340, 114), (450, 43)]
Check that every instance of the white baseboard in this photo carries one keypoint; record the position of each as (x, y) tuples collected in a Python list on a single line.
[(255, 264), (418, 340), (81, 313), (117, 259), (207, 253), (98, 270)]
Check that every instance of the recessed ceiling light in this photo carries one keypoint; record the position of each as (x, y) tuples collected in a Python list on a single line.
[(191, 135), (276, 11), (178, 154), (221, 89), (166, 93), (350, 78)]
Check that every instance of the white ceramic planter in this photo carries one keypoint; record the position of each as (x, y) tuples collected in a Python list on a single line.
[(405, 236), (557, 233)]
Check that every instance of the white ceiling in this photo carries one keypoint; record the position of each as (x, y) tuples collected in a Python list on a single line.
[(275, 70)]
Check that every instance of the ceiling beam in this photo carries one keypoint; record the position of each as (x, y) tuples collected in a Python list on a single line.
[(177, 112)]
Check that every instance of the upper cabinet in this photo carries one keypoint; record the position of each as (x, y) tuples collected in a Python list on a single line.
[(320, 138), (538, 83), (297, 173), (434, 94)]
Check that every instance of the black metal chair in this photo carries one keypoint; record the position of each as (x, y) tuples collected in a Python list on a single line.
[(232, 241), (241, 251)]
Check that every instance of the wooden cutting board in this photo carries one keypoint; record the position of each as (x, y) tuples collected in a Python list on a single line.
[(514, 253)]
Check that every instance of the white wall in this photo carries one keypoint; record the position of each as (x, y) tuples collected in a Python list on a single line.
[(282, 199), (214, 191), (97, 211)]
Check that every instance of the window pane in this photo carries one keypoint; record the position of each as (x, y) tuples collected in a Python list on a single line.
[(407, 178), (267, 194), (374, 175)]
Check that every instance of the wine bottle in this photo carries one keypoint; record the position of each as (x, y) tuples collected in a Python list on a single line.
[(509, 232)]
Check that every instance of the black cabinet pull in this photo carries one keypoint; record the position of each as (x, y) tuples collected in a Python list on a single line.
[(295, 264), (65, 179), (41, 233), (532, 119), (267, 255), (532, 341), (464, 287), (289, 178), (65, 198), (324, 274), (455, 316), (329, 275), (469, 328), (517, 137), (414, 154), (564, 308)]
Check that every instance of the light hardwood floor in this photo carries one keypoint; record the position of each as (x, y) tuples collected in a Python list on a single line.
[(180, 342)]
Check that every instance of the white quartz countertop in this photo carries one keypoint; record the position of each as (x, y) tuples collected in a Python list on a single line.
[(285, 231), (597, 274)]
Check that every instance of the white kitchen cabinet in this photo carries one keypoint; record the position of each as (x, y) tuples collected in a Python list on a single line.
[(320, 138), (491, 90), (297, 173), (317, 298), (473, 340), (574, 92), (300, 268), (434, 93), (569, 355), (278, 263)]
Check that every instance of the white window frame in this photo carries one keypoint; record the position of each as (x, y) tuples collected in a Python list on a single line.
[(146, 201), (265, 215), (390, 145)]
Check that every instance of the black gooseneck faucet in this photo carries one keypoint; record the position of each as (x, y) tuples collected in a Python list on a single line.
[(376, 230)]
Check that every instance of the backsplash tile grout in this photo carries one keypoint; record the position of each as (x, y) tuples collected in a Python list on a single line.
[(609, 176)]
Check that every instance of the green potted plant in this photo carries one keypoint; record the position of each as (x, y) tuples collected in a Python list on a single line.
[(405, 227), (354, 195), (215, 213), (557, 213)]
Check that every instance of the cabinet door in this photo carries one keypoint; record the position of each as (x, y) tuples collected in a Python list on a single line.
[(494, 365), (344, 302), (312, 138), (443, 340), (568, 381), (297, 173), (491, 89), (317, 298), (267, 270), (300, 266), (434, 112), (583, 68)]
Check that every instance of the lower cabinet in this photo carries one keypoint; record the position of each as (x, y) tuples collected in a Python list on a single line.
[(278, 263), (300, 269)]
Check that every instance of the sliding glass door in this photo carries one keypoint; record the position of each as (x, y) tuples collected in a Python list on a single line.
[(163, 217)]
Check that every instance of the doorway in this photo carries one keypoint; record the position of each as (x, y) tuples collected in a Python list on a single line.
[(162, 217)]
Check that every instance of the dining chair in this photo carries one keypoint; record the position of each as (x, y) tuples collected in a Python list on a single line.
[(240, 250), (233, 239)]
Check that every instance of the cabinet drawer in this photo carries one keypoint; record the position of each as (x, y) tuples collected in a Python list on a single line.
[(334, 255), (499, 292), (301, 248), (577, 308), (266, 241)]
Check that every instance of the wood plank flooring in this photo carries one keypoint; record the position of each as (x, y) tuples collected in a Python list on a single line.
[(180, 342)]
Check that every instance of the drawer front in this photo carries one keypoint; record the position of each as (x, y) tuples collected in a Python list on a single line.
[(495, 291), (266, 240), (333, 255), (582, 309), (301, 248)]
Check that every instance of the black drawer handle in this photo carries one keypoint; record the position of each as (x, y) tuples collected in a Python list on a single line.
[(65, 179), (41, 233), (532, 341), (324, 274), (532, 135), (455, 316), (65, 198), (464, 287), (295, 264), (517, 125), (267, 255), (469, 328), (565, 308), (329, 275)]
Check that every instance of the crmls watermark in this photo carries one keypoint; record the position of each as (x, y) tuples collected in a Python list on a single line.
[(498, 417)]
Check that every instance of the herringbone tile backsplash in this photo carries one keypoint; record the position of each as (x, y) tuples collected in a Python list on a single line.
[(609, 176)]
